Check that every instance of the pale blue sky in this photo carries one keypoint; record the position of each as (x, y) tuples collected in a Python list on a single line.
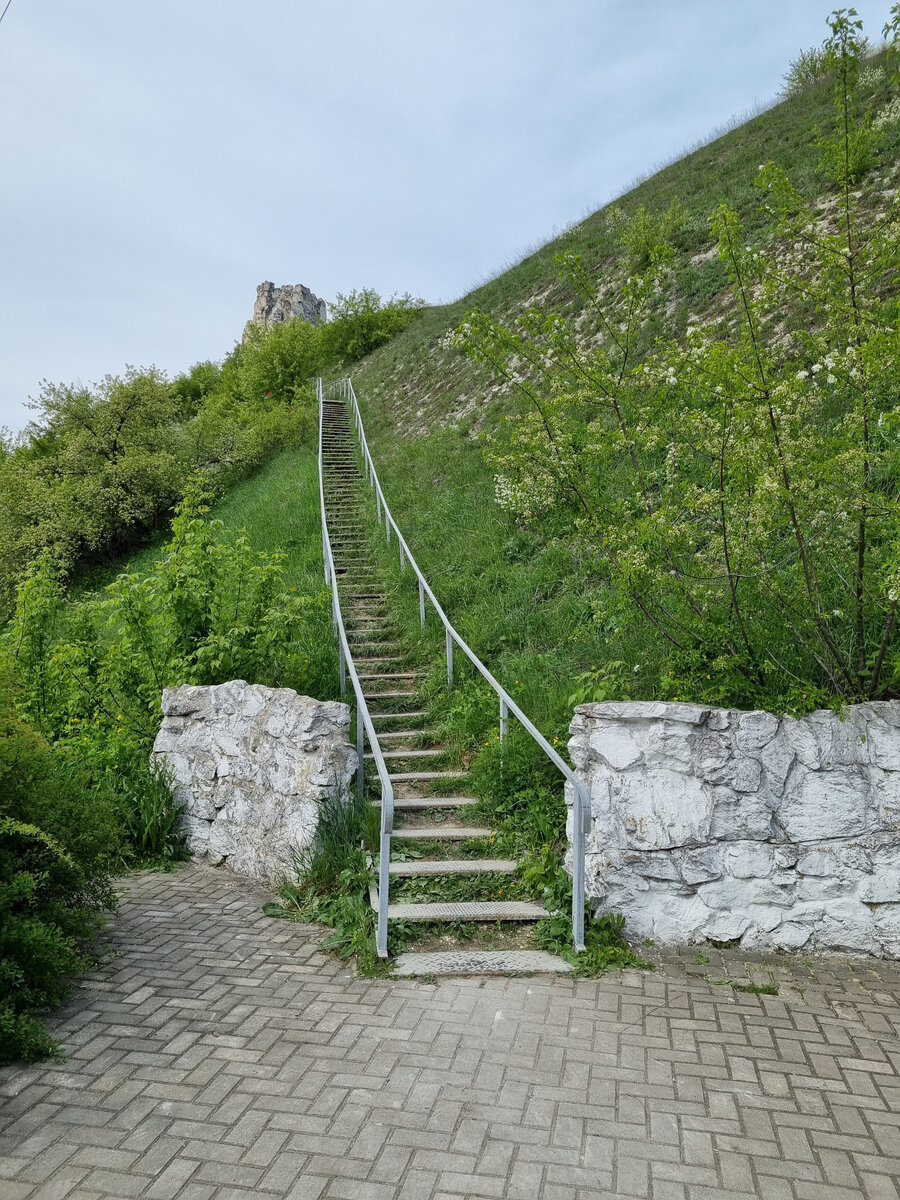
[(160, 160)]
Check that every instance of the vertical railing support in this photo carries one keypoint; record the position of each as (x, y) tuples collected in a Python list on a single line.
[(402, 558), (449, 659), (343, 670), (504, 719), (360, 752), (421, 604), (581, 825), (384, 883)]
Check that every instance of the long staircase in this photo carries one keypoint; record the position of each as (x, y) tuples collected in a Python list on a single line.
[(432, 836)]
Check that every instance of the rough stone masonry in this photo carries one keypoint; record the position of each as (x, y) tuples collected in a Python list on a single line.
[(769, 831), (252, 766)]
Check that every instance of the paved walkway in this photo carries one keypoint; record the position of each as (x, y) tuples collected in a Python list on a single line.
[(220, 1056)]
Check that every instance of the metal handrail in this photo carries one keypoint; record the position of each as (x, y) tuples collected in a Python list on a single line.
[(362, 711), (581, 807)]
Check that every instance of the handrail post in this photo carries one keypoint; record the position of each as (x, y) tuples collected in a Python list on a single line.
[(343, 669), (402, 558), (504, 719), (384, 882), (421, 604), (360, 751), (449, 659), (580, 826)]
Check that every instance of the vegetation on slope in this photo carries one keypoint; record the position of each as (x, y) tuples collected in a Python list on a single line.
[(86, 669), (100, 468), (607, 464), (77, 801)]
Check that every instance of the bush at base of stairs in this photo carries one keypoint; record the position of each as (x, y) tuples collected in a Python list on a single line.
[(58, 844)]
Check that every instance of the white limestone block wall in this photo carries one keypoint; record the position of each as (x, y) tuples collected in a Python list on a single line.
[(252, 765), (717, 824)]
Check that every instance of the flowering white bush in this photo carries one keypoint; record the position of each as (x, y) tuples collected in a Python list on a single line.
[(889, 115)]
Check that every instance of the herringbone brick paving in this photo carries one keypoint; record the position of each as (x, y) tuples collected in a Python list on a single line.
[(219, 1055)]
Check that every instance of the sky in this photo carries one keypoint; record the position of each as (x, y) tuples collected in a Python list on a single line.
[(158, 161)]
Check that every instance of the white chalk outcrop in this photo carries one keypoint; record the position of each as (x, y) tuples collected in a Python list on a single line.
[(252, 766), (770, 831)]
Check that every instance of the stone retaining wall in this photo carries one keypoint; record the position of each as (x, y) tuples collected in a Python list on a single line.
[(252, 765), (742, 826)]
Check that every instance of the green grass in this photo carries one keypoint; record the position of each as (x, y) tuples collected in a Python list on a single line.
[(528, 605), (523, 605)]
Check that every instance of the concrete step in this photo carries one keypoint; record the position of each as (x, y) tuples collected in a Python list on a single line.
[(392, 674), (425, 776), (479, 962), (418, 803), (472, 910), (442, 833), (398, 716), (452, 866), (389, 755)]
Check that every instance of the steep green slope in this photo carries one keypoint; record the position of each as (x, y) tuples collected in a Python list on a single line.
[(416, 380), (527, 600)]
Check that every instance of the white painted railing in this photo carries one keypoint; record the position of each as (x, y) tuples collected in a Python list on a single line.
[(364, 726), (581, 811)]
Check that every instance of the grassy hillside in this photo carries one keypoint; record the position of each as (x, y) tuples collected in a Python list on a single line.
[(528, 599), (415, 380)]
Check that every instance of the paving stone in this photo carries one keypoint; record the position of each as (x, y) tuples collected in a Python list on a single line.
[(220, 1055)]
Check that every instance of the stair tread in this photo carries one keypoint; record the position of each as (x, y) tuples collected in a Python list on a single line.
[(416, 803), (444, 833), (393, 754), (470, 910), (398, 716), (424, 776), (452, 866), (391, 674), (479, 962)]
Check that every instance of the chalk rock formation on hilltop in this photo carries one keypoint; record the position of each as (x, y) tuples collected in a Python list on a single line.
[(275, 305)]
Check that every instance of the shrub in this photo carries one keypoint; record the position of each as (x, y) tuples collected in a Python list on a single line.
[(805, 70), (736, 492), (361, 321), (59, 842), (91, 672)]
